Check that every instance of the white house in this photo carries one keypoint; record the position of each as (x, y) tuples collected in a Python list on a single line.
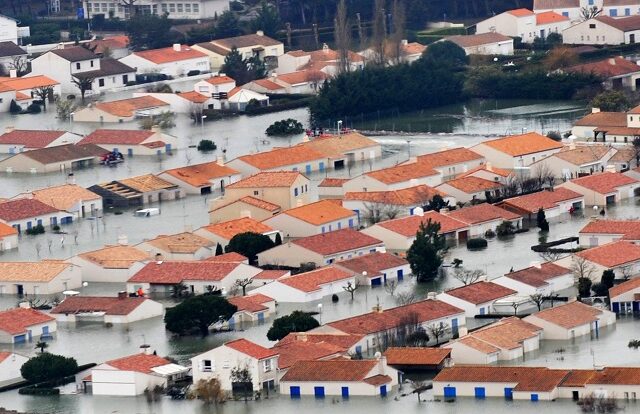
[(324, 59), (574, 161), (122, 110), (517, 151), (24, 89), (309, 286), (571, 320), (376, 269), (252, 45), (490, 43), (133, 142), (554, 203), (340, 377), (453, 162), (252, 309), (373, 204), (19, 325), (69, 197), (476, 298), (394, 178), (46, 277), (470, 189), (199, 277), (131, 375), (546, 278), (110, 264), (19, 140), (314, 218), (222, 233), (26, 213), (605, 188), (202, 178), (8, 237), (8, 29), (399, 234), (617, 72), (261, 362), (177, 61), (181, 246), (10, 364), (191, 10), (322, 249), (603, 30), (217, 87), (525, 24), (11, 55), (114, 310), (625, 297), (599, 232), (484, 217)]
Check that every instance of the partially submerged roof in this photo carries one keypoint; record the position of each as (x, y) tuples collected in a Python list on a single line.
[(65, 197), (314, 280), (117, 136), (42, 271), (373, 263), (115, 257), (417, 195), (540, 379), (570, 315), (409, 226), (282, 157), (610, 255), (538, 276), (30, 138), (480, 292), (24, 208), (403, 172), (545, 199), (129, 107), (337, 241), (524, 144), (604, 183), (482, 213), (61, 153), (200, 175), (108, 305), (624, 287), (18, 320), (416, 356), (147, 182), (332, 370), (320, 212), (228, 229), (268, 179), (251, 349), (180, 243), (172, 272)]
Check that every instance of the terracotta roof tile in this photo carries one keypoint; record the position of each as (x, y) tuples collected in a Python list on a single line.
[(271, 274), (252, 349), (480, 292), (268, 179), (472, 184), (231, 257), (333, 182), (549, 17), (108, 305), (373, 263), (603, 119), (282, 157), (339, 339), (570, 315), (313, 280), (220, 80), (268, 84), (627, 229), (115, 257), (612, 255), (252, 201), (477, 39), (418, 195), (577, 378), (320, 212), (228, 229), (75, 53), (147, 182), (624, 287), (408, 226), (538, 276), (403, 172), (168, 54), (481, 213), (478, 344), (449, 157), (377, 380), (138, 363), (294, 351), (607, 68), (65, 197), (251, 303), (30, 138), (194, 97), (520, 12), (128, 107), (338, 146), (42, 271), (507, 333), (616, 376), (416, 356), (7, 230), (16, 321), (303, 76), (586, 154), (517, 145), (625, 24), (373, 322), (117, 136), (243, 41), (604, 183), (170, 273), (531, 203), (540, 379), (200, 175), (29, 82), (180, 243), (337, 241), (334, 370), (60, 153), (24, 208)]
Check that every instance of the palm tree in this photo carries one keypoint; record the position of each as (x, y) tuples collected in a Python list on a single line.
[(42, 345)]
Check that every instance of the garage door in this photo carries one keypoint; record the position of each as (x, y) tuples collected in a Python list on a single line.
[(294, 392), (318, 392), (20, 338), (450, 392), (479, 392), (376, 282)]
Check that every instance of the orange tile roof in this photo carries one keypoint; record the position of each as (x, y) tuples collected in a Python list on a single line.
[(30, 82), (538, 276), (252, 201), (577, 378), (520, 12), (251, 349), (268, 179), (147, 182), (628, 229), (472, 184), (480, 39), (24, 208), (200, 175), (320, 212), (194, 97), (228, 229), (115, 257), (517, 145), (267, 84), (339, 339), (478, 345), (481, 213), (65, 197), (491, 169), (531, 203), (313, 280), (7, 230), (294, 351), (168, 54), (416, 356), (570, 315), (449, 157), (539, 379), (403, 172), (586, 154), (507, 333), (303, 76), (282, 157), (42, 271), (170, 273), (604, 183), (117, 136), (18, 320), (418, 195), (624, 287), (480, 292), (549, 17), (231, 257), (408, 226), (249, 40), (219, 80), (251, 303), (616, 376), (180, 243), (30, 138), (108, 305), (414, 48), (128, 107), (333, 370), (610, 67), (373, 263), (334, 146), (138, 363), (373, 322), (333, 182), (337, 241), (603, 119), (612, 254)]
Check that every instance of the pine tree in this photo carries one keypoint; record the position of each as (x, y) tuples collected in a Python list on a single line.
[(278, 240), (426, 253), (219, 249)]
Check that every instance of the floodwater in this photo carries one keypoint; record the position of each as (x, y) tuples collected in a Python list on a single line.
[(96, 343)]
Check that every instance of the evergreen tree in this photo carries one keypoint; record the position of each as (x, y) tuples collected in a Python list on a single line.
[(227, 25), (266, 20), (196, 314), (426, 253), (541, 220), (278, 241), (297, 321), (219, 249)]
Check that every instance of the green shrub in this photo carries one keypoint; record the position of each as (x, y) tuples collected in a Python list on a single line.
[(207, 145), (285, 127), (48, 367), (39, 229), (14, 108), (34, 108), (56, 228), (476, 243), (506, 228)]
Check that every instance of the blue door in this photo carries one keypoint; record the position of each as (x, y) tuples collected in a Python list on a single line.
[(54, 221), (449, 392), (481, 311), (479, 393), (45, 331), (615, 306), (294, 392), (28, 225), (19, 339), (167, 148), (454, 326), (376, 282), (17, 227), (534, 397), (350, 223), (383, 391), (321, 166), (318, 392), (345, 392), (400, 274), (130, 152), (261, 317), (636, 306), (39, 222), (358, 349), (508, 393), (307, 168)]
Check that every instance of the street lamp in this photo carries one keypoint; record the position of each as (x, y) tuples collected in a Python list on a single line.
[(339, 127), (202, 118), (320, 312), (409, 148)]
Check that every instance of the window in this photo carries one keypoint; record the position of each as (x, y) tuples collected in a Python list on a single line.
[(163, 7), (267, 365), (255, 193), (78, 65), (187, 7), (88, 7), (305, 188), (627, 12), (613, 12), (180, 9), (125, 79), (207, 365), (323, 229), (295, 192), (196, 8), (101, 82), (172, 7), (105, 7), (565, 14)]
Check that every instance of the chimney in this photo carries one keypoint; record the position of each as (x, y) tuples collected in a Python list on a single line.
[(13, 73), (418, 211), (260, 33), (612, 61), (9, 129), (536, 264), (156, 129), (220, 160), (325, 48), (177, 47), (122, 294), (404, 42), (146, 349), (444, 211), (159, 258), (302, 337), (595, 110), (71, 179), (377, 309)]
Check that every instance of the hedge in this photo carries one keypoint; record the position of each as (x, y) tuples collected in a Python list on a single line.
[(476, 243)]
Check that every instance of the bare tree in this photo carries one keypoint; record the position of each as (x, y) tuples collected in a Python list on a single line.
[(83, 83), (45, 93), (38, 247), (243, 283), (406, 298), (627, 272), (550, 256), (538, 299), (418, 388), (49, 244), (604, 404), (587, 13), (582, 268), (342, 36), (438, 330), (373, 213), (351, 287), (515, 305), (467, 276), (379, 33), (397, 34), (129, 6), (391, 287), (543, 174), (64, 108), (19, 64)]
